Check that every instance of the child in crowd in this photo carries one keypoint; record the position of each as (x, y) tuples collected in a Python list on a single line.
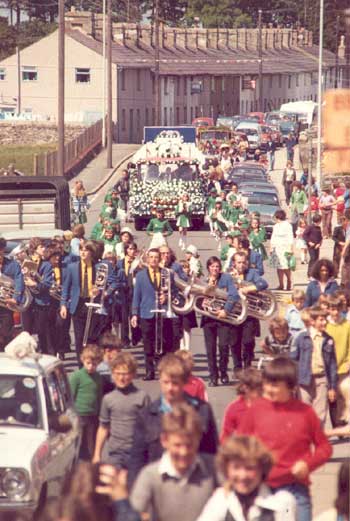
[(111, 346), (118, 414), (279, 341), (293, 312), (86, 386), (178, 485), (248, 389), (291, 430), (314, 350), (323, 302), (339, 329), (183, 211), (194, 386), (300, 243), (192, 257), (244, 462)]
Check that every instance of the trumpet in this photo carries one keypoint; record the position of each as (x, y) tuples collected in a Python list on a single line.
[(260, 304)]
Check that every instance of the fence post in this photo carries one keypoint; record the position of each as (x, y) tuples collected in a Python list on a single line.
[(35, 164)]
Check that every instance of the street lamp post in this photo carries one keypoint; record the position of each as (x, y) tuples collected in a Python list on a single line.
[(109, 86), (60, 115), (319, 98)]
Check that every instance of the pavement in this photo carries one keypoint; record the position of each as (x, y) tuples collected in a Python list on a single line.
[(324, 480)]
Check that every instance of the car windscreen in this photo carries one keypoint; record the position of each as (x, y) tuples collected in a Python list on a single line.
[(248, 171), (262, 198), (168, 172), (19, 401), (219, 135), (248, 131)]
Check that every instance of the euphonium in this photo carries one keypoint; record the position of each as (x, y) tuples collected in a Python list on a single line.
[(260, 304), (182, 303), (30, 273), (7, 290), (209, 300)]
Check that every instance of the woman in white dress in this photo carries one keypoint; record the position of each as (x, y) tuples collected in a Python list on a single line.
[(281, 247)]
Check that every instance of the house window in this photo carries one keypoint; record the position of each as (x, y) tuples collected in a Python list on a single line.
[(123, 119), (82, 75), (185, 86), (196, 111), (297, 80), (122, 79), (270, 81), (29, 74), (165, 116), (212, 84), (178, 86), (2, 74), (153, 116), (146, 116), (289, 81), (185, 114), (223, 84), (177, 116), (191, 114), (165, 85), (138, 119), (138, 80)]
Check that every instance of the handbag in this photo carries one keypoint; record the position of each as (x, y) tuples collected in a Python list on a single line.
[(291, 260)]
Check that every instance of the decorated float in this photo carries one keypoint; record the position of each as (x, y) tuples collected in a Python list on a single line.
[(167, 166)]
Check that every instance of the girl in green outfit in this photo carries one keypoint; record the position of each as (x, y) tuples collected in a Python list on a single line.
[(257, 237), (158, 228), (183, 212)]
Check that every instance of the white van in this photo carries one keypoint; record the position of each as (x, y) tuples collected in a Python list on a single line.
[(253, 132)]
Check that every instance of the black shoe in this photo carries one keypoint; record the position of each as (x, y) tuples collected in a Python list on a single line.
[(224, 379), (148, 377), (213, 382)]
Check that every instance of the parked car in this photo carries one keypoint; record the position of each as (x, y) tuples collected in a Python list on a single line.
[(228, 121), (264, 201), (257, 185), (253, 132), (39, 432), (245, 172)]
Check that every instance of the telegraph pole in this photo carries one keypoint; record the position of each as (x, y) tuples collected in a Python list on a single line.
[(156, 68), (109, 85), (61, 29), (261, 94)]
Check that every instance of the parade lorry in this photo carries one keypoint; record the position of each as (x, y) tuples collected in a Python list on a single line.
[(167, 166), (34, 203)]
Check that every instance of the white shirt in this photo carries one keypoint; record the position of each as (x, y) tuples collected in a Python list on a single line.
[(167, 468)]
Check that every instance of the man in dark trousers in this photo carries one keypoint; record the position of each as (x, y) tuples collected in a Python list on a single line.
[(313, 238)]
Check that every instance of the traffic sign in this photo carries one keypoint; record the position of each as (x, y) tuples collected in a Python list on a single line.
[(336, 118)]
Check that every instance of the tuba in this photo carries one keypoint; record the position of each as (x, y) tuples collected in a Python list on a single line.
[(260, 304), (208, 300), (183, 302), (7, 290)]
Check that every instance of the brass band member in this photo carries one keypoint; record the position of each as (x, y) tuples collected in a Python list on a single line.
[(146, 299), (35, 319), (12, 269), (243, 338), (79, 288), (214, 330)]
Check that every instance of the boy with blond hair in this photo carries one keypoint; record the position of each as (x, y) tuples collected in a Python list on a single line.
[(118, 413), (194, 386), (293, 312), (86, 385)]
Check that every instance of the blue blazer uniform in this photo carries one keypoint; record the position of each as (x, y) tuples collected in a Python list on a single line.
[(255, 262), (72, 284), (144, 297), (253, 276), (12, 269), (177, 268), (226, 282), (42, 298), (313, 291)]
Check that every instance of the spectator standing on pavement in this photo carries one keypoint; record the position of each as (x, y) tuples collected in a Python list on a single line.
[(300, 243), (271, 150), (314, 350), (86, 386), (288, 178), (177, 485), (291, 430), (118, 414), (338, 192), (245, 463), (339, 329), (322, 283), (290, 144), (122, 188), (293, 312), (313, 238), (281, 243), (298, 203), (326, 204), (80, 203), (340, 234)]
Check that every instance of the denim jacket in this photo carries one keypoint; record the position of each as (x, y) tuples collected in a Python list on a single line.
[(301, 352)]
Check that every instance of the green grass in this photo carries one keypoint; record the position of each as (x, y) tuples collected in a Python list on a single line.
[(23, 156)]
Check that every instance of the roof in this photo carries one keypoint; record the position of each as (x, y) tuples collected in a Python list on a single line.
[(179, 61), (26, 366)]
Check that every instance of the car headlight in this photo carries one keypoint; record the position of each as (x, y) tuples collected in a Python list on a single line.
[(15, 483)]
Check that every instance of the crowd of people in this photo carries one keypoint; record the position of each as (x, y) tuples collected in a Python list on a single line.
[(117, 295)]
